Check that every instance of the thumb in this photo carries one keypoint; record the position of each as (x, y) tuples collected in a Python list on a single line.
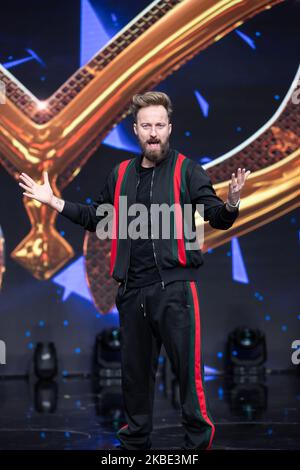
[(46, 179)]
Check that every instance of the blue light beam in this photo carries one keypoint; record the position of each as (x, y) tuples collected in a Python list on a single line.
[(239, 272)]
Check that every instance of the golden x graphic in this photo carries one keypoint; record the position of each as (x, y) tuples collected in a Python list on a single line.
[(60, 134)]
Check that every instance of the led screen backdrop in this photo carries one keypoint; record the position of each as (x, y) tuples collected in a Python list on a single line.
[(234, 95)]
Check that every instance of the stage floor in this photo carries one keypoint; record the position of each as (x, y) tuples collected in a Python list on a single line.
[(78, 413)]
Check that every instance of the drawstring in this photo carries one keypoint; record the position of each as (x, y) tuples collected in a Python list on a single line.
[(143, 303)]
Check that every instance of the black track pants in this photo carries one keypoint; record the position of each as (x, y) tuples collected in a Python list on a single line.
[(149, 317)]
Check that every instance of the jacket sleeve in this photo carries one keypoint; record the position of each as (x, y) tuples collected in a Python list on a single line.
[(202, 192), (85, 214)]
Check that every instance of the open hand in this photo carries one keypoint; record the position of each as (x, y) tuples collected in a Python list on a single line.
[(236, 185), (41, 192)]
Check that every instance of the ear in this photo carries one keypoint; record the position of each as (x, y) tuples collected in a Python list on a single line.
[(135, 128), (170, 128)]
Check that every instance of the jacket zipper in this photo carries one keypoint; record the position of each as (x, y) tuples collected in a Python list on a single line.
[(154, 253), (128, 262)]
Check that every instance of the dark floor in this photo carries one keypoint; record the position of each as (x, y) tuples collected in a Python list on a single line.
[(76, 413)]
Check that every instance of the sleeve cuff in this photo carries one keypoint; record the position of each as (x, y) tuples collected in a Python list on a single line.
[(234, 206), (229, 216), (69, 210)]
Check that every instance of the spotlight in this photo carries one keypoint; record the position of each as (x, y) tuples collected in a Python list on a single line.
[(248, 400), (41, 105), (45, 396), (108, 391), (246, 351), (45, 361), (108, 356), (109, 404)]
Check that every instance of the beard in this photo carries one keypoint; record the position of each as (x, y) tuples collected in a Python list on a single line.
[(157, 153)]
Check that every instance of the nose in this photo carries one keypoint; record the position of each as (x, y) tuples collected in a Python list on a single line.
[(153, 132)]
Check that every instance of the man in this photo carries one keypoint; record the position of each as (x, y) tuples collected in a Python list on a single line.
[(158, 295)]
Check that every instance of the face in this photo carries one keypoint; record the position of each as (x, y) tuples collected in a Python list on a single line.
[(153, 130)]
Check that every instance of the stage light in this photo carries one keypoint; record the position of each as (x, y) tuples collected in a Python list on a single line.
[(246, 351), (248, 400), (108, 403), (45, 361), (108, 356), (41, 105), (107, 379), (45, 396)]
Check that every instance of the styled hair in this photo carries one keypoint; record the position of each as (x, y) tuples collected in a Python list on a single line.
[(150, 98)]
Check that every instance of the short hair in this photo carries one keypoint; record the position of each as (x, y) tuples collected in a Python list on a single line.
[(150, 98)]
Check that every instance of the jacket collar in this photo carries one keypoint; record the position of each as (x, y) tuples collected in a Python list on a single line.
[(139, 158)]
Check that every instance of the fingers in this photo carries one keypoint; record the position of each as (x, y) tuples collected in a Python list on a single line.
[(27, 179), (30, 182), (25, 187), (28, 195), (241, 177), (233, 182), (244, 176)]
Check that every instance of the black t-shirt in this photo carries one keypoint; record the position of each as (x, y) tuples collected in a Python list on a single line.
[(143, 270)]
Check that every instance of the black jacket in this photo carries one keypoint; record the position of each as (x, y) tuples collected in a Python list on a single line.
[(175, 179)]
